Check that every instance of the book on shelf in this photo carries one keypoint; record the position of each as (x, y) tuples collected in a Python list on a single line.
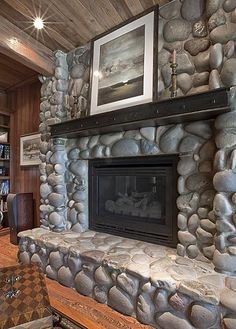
[(3, 205), (4, 187), (4, 151)]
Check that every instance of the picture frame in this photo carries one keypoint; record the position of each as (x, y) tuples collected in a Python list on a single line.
[(124, 64), (29, 149)]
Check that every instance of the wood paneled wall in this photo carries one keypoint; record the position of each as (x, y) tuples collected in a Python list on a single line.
[(3, 100), (24, 102)]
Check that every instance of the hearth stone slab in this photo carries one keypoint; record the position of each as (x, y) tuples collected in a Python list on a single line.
[(143, 280)]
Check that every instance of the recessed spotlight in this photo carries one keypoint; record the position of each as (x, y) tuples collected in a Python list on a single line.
[(38, 23)]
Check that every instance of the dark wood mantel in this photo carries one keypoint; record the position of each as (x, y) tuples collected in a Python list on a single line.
[(176, 110)]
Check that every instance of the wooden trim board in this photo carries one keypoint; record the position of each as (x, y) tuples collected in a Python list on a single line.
[(18, 45)]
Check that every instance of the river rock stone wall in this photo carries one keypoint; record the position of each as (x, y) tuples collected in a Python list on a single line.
[(62, 97), (203, 34), (225, 184), (195, 144), (138, 279), (53, 203), (149, 282), (78, 62), (63, 172)]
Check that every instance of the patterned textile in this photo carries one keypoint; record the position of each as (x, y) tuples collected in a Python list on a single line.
[(23, 295)]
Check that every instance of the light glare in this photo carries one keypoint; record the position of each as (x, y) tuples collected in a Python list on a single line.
[(98, 74), (13, 41), (38, 23)]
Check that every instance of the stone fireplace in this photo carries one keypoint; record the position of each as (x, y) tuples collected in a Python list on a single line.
[(160, 286), (192, 146)]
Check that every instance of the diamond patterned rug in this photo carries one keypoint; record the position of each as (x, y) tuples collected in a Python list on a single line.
[(23, 295), (24, 298)]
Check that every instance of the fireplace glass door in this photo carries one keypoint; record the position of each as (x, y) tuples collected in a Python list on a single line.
[(134, 197)]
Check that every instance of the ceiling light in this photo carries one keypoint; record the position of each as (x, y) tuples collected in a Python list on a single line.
[(38, 23)]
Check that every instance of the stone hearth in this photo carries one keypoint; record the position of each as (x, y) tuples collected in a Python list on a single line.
[(160, 286), (147, 281)]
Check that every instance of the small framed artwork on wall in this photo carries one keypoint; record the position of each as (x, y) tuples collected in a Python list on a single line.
[(29, 150), (123, 72)]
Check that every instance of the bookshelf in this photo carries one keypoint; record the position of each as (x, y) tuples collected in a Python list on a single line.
[(5, 118)]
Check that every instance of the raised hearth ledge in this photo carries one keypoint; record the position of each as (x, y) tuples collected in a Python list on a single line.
[(187, 108), (143, 280)]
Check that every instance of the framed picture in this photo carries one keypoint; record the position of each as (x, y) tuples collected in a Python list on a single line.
[(124, 61), (29, 150)]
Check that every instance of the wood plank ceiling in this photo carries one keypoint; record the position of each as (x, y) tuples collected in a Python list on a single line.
[(68, 24), (71, 23)]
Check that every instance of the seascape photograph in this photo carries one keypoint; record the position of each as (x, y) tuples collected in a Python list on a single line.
[(121, 67)]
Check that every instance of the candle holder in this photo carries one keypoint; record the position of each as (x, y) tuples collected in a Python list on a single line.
[(173, 66), (74, 107)]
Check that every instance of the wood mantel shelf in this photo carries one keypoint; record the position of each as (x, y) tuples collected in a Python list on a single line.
[(176, 110)]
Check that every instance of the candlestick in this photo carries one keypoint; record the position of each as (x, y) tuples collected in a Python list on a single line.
[(74, 107), (174, 57), (173, 66)]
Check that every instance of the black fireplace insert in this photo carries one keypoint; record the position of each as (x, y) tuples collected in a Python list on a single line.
[(135, 197)]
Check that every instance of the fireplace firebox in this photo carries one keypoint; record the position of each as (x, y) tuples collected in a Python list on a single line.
[(135, 197)]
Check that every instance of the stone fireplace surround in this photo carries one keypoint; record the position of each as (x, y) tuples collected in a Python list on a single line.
[(152, 283)]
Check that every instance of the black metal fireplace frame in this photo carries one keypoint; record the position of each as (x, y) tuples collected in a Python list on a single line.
[(167, 234)]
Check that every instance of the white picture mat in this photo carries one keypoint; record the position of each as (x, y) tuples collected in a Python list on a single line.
[(23, 140), (148, 21)]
